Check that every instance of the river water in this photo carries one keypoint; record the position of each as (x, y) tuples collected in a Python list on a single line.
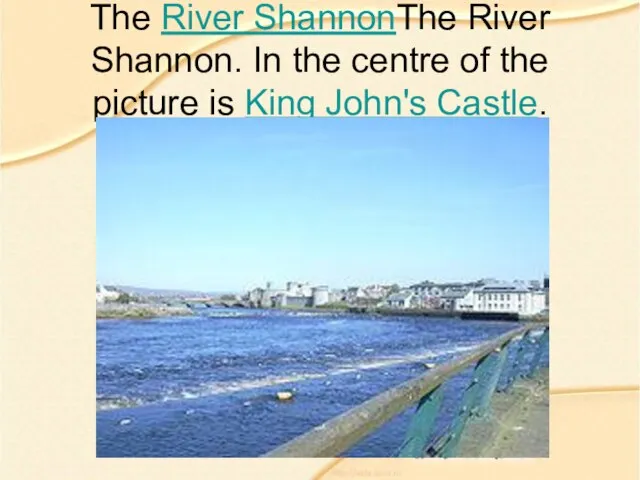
[(205, 386)]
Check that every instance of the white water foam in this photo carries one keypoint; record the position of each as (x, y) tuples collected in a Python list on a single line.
[(222, 388), (224, 314), (413, 358)]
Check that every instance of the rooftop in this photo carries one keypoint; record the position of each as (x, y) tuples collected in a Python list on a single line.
[(505, 287), (400, 296)]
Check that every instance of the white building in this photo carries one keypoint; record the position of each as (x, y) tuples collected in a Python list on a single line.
[(401, 300), (320, 295), (376, 292), (465, 302), (505, 298), (336, 296), (103, 294), (297, 289), (454, 298), (353, 294)]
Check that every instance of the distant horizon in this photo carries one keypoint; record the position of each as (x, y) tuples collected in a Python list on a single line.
[(205, 204)]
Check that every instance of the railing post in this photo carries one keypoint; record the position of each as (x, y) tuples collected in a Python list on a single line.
[(470, 401), (543, 343), (498, 358), (512, 370), (508, 365), (528, 341), (421, 424)]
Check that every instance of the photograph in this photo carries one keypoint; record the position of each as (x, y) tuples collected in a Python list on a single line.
[(322, 288)]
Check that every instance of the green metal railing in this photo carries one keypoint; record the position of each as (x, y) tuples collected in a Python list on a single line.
[(496, 364)]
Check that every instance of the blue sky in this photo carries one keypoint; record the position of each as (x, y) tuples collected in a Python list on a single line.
[(228, 204)]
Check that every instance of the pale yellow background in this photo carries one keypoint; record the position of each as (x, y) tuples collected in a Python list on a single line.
[(47, 249)]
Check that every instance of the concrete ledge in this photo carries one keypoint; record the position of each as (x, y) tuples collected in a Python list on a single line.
[(516, 426)]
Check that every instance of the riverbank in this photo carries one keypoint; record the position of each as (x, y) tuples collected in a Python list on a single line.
[(152, 310), (419, 312), (140, 311)]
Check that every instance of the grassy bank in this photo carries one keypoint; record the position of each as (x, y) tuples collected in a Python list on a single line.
[(140, 311)]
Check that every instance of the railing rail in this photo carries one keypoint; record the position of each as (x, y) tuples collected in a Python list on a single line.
[(339, 434)]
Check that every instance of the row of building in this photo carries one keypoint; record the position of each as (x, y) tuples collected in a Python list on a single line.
[(495, 297), (523, 298), (297, 294)]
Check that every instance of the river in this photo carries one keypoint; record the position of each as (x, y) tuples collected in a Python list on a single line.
[(205, 386)]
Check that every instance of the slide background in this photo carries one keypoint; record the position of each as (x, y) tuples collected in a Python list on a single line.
[(47, 249)]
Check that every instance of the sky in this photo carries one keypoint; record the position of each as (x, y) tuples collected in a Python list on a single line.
[(223, 205)]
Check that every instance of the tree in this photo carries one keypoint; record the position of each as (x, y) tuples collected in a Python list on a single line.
[(124, 298)]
